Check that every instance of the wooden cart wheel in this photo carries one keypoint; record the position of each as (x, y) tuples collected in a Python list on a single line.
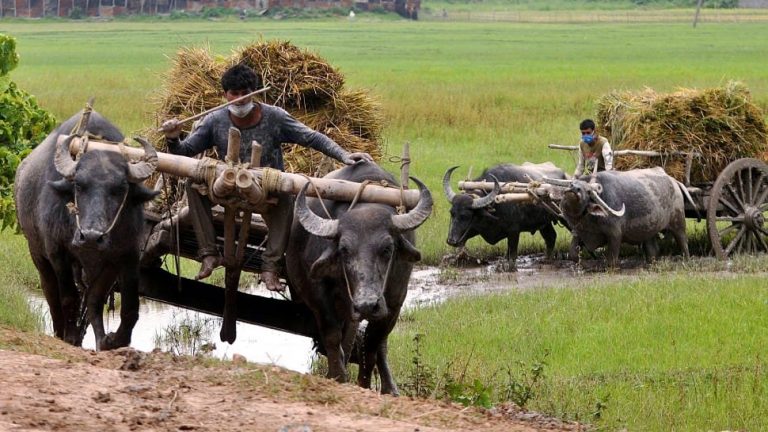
[(737, 209)]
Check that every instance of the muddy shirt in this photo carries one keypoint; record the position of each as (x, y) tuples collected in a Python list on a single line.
[(599, 152), (275, 128)]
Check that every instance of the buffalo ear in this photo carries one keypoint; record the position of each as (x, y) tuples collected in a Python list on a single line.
[(326, 265), (596, 210), (490, 215), (141, 194), (62, 186), (409, 251)]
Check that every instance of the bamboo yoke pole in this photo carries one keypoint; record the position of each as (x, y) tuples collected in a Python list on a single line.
[(335, 189)]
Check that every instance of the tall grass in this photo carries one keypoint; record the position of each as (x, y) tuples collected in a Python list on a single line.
[(653, 353), (14, 282)]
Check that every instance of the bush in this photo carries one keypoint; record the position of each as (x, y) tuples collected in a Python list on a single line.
[(76, 13), (23, 124)]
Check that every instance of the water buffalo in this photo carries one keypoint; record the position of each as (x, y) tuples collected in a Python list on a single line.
[(354, 266), (631, 207), (83, 220), (476, 213)]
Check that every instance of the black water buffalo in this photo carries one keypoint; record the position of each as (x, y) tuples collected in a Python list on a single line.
[(631, 207), (83, 220), (354, 266), (475, 213)]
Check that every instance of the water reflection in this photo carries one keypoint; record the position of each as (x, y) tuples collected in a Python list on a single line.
[(257, 344)]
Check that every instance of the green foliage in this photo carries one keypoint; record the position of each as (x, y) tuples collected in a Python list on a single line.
[(522, 383), (187, 335), (76, 13), (218, 11), (9, 59), (22, 125)]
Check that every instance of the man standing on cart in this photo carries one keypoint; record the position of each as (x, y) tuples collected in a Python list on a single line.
[(268, 125), (595, 152)]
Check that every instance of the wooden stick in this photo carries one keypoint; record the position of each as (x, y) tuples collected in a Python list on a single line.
[(208, 111), (405, 165), (233, 146), (649, 153), (340, 190)]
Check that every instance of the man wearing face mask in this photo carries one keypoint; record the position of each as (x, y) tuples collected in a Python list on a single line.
[(268, 125), (594, 150)]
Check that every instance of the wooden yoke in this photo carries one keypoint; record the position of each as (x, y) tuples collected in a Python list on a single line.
[(339, 190)]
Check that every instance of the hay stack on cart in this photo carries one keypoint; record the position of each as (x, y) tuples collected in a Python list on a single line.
[(721, 124), (301, 82)]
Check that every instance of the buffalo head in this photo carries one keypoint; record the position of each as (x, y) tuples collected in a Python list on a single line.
[(583, 197), (467, 210), (102, 186), (368, 241)]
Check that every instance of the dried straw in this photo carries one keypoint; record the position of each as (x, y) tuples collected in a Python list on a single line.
[(302, 83), (720, 123)]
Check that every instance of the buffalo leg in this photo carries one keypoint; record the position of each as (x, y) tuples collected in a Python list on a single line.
[(96, 296), (331, 336), (614, 245), (550, 236), (129, 309), (513, 239), (575, 248), (375, 354), (50, 288), (69, 302), (678, 232), (651, 247)]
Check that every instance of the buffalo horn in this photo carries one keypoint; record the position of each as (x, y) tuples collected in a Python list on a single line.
[(63, 160), (449, 193), (314, 224), (140, 171), (605, 206), (487, 200), (418, 214)]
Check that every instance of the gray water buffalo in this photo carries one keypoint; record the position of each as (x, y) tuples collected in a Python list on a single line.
[(353, 266), (83, 221), (630, 207), (475, 213)]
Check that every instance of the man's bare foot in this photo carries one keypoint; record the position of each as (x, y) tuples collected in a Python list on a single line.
[(210, 262), (272, 281)]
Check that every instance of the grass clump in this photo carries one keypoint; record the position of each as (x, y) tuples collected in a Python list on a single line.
[(616, 355)]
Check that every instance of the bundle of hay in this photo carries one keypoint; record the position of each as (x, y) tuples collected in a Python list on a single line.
[(721, 124), (301, 82)]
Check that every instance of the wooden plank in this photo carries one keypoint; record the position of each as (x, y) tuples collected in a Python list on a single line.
[(283, 315)]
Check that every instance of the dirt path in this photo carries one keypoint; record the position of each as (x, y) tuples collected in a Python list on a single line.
[(47, 385)]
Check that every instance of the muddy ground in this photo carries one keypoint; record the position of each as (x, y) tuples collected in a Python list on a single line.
[(50, 386)]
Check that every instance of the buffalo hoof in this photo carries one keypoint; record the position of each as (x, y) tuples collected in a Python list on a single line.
[(507, 267), (112, 341)]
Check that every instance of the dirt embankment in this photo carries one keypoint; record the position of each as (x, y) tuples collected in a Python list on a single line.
[(48, 385)]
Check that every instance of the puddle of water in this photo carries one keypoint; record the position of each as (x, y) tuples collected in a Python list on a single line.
[(428, 286), (257, 344)]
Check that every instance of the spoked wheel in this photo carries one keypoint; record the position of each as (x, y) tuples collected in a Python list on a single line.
[(737, 209)]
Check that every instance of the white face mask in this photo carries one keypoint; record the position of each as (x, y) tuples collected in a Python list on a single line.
[(240, 111)]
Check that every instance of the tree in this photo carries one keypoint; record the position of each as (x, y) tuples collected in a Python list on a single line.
[(23, 124)]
